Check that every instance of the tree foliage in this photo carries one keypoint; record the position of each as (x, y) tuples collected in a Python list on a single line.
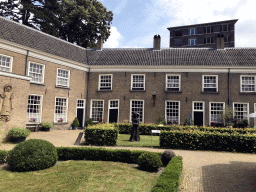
[(77, 21)]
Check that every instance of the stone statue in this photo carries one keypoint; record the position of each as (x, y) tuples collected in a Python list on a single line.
[(6, 103), (135, 134)]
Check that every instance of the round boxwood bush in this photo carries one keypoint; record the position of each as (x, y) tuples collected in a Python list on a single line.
[(167, 156), (32, 155), (149, 161)]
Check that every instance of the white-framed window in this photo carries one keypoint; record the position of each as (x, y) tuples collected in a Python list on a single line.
[(198, 112), (226, 38), (208, 40), (97, 110), (113, 110), (5, 63), (137, 106), (36, 71), (172, 112), (61, 109), (240, 111), (224, 27), (138, 82), (208, 29), (173, 82), (63, 77), (210, 83), (247, 83), (216, 111), (192, 42), (34, 111), (192, 31), (105, 82)]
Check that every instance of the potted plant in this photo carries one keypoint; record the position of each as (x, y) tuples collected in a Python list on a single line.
[(75, 124), (46, 126), (17, 134)]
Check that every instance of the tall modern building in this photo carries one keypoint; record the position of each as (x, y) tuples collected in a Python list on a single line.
[(203, 35)]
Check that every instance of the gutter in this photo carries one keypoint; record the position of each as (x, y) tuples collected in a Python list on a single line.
[(26, 66), (87, 98)]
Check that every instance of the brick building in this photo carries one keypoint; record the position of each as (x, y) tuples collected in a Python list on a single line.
[(203, 35), (53, 80)]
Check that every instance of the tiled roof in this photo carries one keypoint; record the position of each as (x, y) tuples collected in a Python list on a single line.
[(172, 56), (26, 36)]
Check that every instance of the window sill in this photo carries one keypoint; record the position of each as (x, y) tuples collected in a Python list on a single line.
[(166, 91), (137, 90), (35, 83), (60, 123), (62, 87), (247, 93), (104, 90), (210, 92)]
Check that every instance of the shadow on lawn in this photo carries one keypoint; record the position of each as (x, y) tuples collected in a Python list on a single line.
[(236, 176)]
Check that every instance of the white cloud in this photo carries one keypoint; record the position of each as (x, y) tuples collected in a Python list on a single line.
[(114, 39)]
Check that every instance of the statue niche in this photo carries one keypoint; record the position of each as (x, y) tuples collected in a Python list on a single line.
[(6, 103)]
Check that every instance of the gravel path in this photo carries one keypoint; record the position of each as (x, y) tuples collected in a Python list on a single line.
[(202, 170)]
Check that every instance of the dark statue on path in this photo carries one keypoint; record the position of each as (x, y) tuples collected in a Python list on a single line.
[(135, 134)]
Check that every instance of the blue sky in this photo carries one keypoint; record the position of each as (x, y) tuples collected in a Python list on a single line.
[(135, 22)]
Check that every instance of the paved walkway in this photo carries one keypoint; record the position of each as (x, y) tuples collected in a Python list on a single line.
[(202, 170)]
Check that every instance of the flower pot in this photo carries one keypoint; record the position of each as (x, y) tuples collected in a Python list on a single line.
[(18, 139), (74, 128), (46, 129)]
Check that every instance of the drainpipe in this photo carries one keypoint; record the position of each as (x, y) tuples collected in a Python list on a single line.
[(87, 99), (26, 66), (229, 89)]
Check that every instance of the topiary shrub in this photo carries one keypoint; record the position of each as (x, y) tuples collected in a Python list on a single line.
[(90, 122), (46, 125), (149, 161), (32, 155), (18, 132), (3, 155), (167, 156)]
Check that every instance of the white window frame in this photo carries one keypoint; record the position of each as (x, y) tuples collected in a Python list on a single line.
[(142, 109), (81, 107), (209, 40), (68, 79), (66, 115), (166, 110), (109, 107), (210, 117), (206, 28), (10, 65), (248, 110), (203, 85), (40, 113), (254, 112), (223, 26), (43, 71), (166, 81), (192, 41), (102, 109), (134, 88), (241, 85), (192, 31), (200, 110), (99, 85)]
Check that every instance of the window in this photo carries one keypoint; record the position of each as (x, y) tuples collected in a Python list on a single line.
[(173, 82), (226, 39), (105, 82), (137, 106), (208, 29), (240, 111), (63, 77), (97, 110), (61, 109), (5, 63), (247, 83), (172, 112), (224, 27), (34, 110), (36, 71), (177, 42), (192, 42), (208, 40), (216, 111), (192, 31), (138, 82), (178, 33), (210, 83)]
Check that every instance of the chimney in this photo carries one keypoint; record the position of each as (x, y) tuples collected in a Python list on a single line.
[(157, 43), (220, 41), (99, 44)]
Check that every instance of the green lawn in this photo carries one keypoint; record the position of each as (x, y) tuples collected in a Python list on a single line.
[(80, 176), (145, 141)]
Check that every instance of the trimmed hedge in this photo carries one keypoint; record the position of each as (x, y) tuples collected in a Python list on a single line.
[(3, 156), (198, 140), (169, 180), (15, 132), (101, 135), (100, 154), (145, 129)]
